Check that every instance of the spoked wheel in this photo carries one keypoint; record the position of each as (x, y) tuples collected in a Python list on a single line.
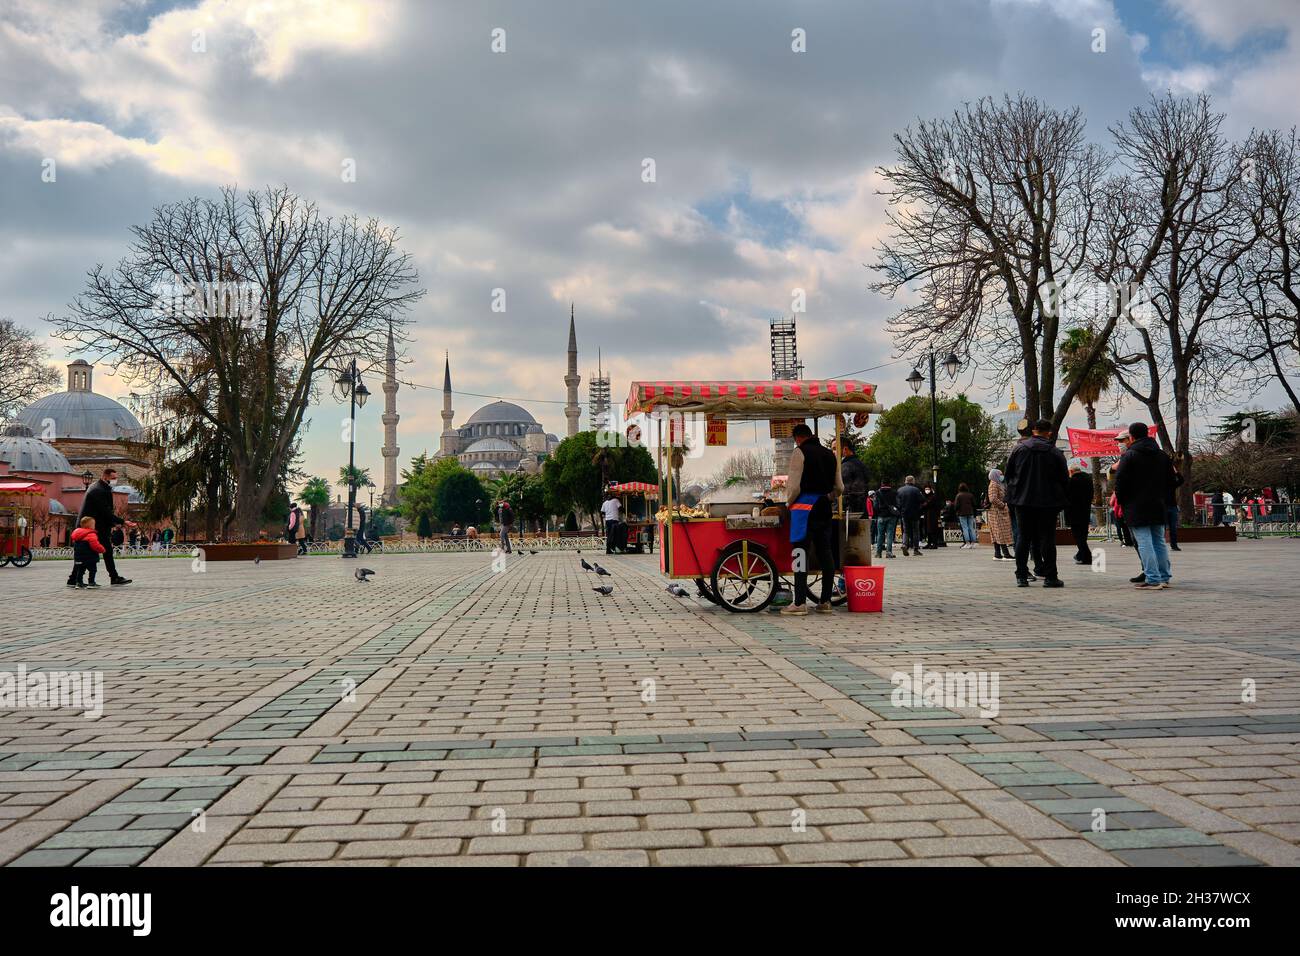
[(4, 559), (23, 559), (744, 579)]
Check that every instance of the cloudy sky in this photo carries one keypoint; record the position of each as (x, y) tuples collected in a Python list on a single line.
[(522, 169)]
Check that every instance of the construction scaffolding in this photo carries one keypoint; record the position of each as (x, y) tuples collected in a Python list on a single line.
[(598, 392)]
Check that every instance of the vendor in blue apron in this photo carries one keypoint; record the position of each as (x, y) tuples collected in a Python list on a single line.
[(813, 476)]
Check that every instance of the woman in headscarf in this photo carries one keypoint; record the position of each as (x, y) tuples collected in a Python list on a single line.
[(999, 517)]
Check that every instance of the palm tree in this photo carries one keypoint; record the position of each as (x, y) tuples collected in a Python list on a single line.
[(1093, 380), (315, 494), (351, 475)]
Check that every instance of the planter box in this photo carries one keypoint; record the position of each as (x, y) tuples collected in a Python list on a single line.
[(271, 551)]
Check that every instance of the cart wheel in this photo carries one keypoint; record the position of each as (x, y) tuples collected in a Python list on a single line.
[(22, 560), (742, 587), (706, 591)]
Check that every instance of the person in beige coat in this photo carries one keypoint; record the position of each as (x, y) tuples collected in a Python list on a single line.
[(999, 517)]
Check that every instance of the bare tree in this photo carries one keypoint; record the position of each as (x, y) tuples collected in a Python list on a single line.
[(1179, 333), (270, 293), (987, 208), (1269, 282), (25, 372)]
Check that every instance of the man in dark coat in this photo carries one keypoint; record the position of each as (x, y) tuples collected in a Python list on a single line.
[(910, 502), (1078, 508), (886, 517), (1143, 480), (98, 504), (854, 474), (1037, 477)]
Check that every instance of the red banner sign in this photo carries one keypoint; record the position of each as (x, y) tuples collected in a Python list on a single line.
[(1094, 443)]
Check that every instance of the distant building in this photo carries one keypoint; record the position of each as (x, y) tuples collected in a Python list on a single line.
[(92, 431), (502, 437)]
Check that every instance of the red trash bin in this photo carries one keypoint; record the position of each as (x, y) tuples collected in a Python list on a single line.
[(866, 587)]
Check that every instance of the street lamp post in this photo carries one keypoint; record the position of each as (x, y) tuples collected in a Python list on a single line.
[(951, 365), (349, 382)]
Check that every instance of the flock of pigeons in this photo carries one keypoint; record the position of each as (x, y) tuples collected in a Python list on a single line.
[(676, 590)]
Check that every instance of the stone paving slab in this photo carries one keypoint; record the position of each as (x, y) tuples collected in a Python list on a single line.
[(519, 719)]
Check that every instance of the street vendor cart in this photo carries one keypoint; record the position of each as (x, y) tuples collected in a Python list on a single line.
[(16, 526), (638, 514), (739, 556)]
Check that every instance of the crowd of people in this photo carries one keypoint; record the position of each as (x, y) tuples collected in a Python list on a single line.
[(1022, 508)]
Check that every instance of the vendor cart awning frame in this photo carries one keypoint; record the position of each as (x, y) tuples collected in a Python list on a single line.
[(755, 400), (646, 488)]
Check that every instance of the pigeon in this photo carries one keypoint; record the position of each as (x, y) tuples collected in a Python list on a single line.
[(606, 590), (601, 571), (257, 559), (676, 590), (362, 574), (532, 552), (585, 565)]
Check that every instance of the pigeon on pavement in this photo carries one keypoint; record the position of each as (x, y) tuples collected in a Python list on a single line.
[(585, 565), (363, 575), (676, 590), (605, 589), (601, 571)]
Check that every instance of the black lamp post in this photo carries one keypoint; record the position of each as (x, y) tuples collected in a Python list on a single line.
[(86, 479), (349, 383), (951, 365)]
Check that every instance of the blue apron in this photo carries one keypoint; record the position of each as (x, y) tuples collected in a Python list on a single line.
[(799, 512)]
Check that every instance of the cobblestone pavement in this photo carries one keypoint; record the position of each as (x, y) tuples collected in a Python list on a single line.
[(442, 714)]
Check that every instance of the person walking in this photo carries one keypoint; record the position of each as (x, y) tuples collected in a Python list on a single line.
[(964, 503), (505, 519), (1143, 479), (86, 549), (886, 518), (133, 539), (854, 475), (1174, 514), (813, 479), (98, 505), (999, 517), (933, 510), (910, 502), (610, 511), (1037, 477), (362, 541), (297, 528), (1078, 508)]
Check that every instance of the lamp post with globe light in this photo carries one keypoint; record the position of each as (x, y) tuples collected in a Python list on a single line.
[(348, 382), (951, 365)]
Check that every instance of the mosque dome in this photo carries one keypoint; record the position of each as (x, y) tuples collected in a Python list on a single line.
[(493, 445), (26, 453), (80, 413), (501, 412)]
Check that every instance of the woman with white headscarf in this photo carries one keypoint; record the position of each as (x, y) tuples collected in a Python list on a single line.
[(999, 517)]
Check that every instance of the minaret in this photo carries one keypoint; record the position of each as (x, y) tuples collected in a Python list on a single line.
[(389, 419), (446, 445), (571, 379)]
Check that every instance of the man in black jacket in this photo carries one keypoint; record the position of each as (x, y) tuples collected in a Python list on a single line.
[(1077, 511), (1036, 484), (854, 475), (98, 504), (910, 501), (1143, 480)]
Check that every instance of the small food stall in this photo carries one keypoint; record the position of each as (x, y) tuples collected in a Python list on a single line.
[(638, 515), (738, 556), (16, 521)]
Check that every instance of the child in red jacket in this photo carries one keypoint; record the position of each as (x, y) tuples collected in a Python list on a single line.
[(86, 550)]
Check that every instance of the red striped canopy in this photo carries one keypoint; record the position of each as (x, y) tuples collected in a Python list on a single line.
[(643, 487), (16, 487), (792, 398)]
